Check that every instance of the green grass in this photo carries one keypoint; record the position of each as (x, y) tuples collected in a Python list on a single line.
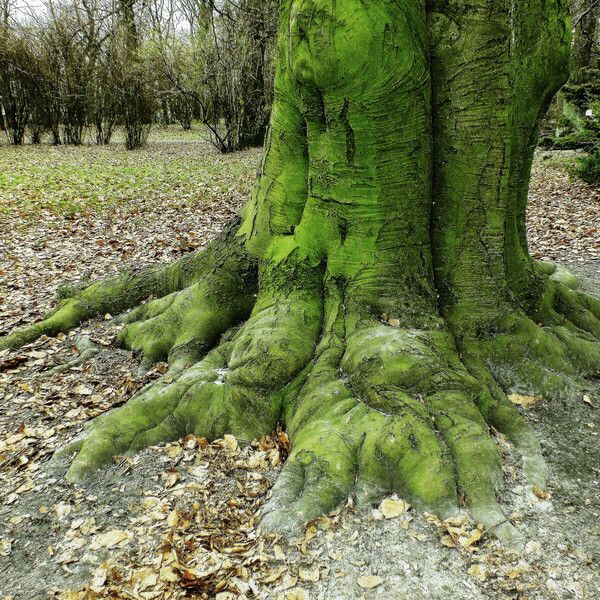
[(176, 167), (67, 181)]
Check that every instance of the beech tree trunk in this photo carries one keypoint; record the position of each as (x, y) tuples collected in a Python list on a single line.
[(378, 298)]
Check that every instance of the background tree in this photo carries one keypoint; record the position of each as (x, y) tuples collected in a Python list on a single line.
[(585, 39), (217, 62), (241, 78), (98, 64), (575, 116), (582, 94), (17, 85)]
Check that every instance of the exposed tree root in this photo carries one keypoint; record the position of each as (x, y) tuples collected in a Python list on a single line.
[(87, 350), (371, 408), (235, 389), (223, 271), (551, 346), (549, 361)]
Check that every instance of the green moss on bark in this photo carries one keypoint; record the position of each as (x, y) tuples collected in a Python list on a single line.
[(395, 301)]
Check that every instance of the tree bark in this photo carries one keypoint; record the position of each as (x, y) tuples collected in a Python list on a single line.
[(395, 301), (585, 35)]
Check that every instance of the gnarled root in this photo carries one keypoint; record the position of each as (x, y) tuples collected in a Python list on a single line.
[(549, 361), (387, 409), (237, 388), (560, 302), (223, 275), (549, 347), (370, 408)]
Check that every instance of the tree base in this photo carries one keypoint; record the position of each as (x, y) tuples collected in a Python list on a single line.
[(372, 406)]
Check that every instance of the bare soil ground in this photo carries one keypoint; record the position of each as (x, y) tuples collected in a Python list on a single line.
[(180, 519)]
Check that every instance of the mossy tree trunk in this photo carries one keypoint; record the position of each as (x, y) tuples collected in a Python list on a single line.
[(378, 297), (585, 36), (579, 94)]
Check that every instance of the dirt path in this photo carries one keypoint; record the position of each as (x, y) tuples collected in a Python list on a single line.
[(181, 518)]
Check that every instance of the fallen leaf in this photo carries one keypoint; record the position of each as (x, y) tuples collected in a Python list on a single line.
[(99, 579), (5, 547), (230, 444), (391, 508), (296, 594), (368, 582), (174, 451), (171, 477), (173, 519), (145, 578), (477, 571), (83, 390), (524, 401), (274, 576), (62, 510), (110, 539), (309, 574), (474, 538), (279, 554), (518, 571)]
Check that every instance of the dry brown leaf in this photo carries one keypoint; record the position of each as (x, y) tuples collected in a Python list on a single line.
[(279, 554), (391, 508), (474, 538), (369, 582), (477, 571), (274, 575), (99, 578), (308, 574), (296, 594), (524, 401), (541, 493), (83, 390), (112, 538)]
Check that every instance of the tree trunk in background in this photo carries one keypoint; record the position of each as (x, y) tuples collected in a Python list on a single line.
[(378, 297), (136, 97), (585, 36), (582, 88)]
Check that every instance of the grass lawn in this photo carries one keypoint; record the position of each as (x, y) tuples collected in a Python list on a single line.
[(67, 180)]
